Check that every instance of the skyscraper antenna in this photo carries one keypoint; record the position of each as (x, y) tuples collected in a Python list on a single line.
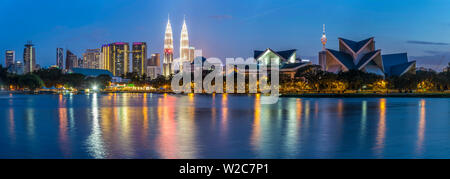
[(324, 39), (324, 28)]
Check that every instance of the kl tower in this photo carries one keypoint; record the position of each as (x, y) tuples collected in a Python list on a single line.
[(323, 53)]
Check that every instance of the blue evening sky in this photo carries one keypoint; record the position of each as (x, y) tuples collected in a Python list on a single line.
[(228, 28)]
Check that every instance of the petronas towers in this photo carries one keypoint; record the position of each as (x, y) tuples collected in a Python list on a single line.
[(186, 52)]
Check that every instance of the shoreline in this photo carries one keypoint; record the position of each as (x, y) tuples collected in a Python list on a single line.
[(297, 95), (371, 95)]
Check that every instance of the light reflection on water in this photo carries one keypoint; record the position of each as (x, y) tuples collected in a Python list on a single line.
[(221, 126), (422, 125)]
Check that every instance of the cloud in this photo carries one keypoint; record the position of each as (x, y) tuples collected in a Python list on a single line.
[(426, 42), (436, 60), (433, 52), (221, 17)]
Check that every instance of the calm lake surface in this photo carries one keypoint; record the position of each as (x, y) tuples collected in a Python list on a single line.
[(221, 126)]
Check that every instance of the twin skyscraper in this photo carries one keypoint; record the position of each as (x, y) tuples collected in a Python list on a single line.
[(186, 52)]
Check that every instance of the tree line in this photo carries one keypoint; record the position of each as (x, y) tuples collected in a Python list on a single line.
[(309, 78), (313, 78), (51, 78)]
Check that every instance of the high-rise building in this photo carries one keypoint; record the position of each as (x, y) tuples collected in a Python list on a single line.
[(152, 72), (191, 54), (10, 58), (115, 58), (17, 68), (29, 58), (168, 51), (184, 45), (105, 57), (155, 60), (71, 60), (60, 58), (80, 63), (91, 59), (139, 56), (153, 68)]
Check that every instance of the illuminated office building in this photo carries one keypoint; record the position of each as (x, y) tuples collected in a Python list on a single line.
[(29, 58), (139, 56), (10, 58), (155, 60), (115, 58), (17, 68), (60, 58), (80, 63), (71, 60), (191, 54), (91, 59), (153, 68), (105, 57)]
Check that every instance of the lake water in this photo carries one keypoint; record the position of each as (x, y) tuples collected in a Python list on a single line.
[(221, 126)]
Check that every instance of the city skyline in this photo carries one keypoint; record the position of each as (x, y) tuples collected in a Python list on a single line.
[(415, 28)]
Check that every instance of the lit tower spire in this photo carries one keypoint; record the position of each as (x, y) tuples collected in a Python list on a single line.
[(324, 39), (168, 40), (168, 50), (184, 43)]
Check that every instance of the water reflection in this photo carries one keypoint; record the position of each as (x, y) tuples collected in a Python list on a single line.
[(268, 123), (307, 110), (124, 124), (422, 125), (186, 128), (363, 120), (213, 110), (12, 125), (95, 141), (293, 126), (224, 123), (381, 131), (145, 120), (29, 113), (167, 141), (218, 126), (63, 127), (256, 133)]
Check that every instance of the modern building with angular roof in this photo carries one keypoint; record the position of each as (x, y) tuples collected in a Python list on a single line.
[(283, 57), (362, 55), (288, 61)]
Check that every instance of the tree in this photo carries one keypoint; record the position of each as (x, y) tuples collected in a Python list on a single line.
[(3, 76), (356, 79), (443, 80), (51, 76), (427, 80), (135, 78), (74, 80), (30, 81), (103, 81), (161, 81), (406, 82)]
